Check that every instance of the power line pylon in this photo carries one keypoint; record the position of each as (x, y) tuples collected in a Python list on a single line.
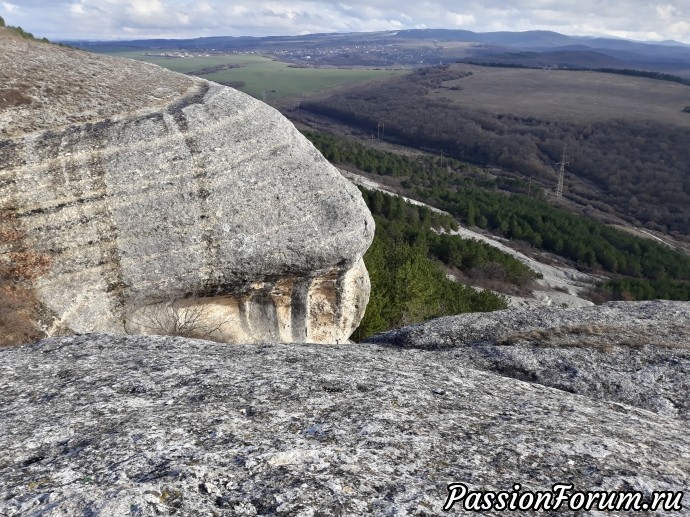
[(561, 175)]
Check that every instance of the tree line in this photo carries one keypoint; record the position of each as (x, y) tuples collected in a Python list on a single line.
[(408, 283), (19, 31), (633, 72), (641, 268), (420, 226)]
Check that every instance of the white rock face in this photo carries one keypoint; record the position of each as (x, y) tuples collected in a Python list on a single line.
[(176, 206)]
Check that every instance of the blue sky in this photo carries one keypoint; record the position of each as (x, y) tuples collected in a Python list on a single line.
[(118, 19)]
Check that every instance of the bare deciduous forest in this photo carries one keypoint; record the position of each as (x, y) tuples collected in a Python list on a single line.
[(640, 168)]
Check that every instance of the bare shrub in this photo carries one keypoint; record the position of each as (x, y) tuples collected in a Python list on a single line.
[(18, 266), (17, 262), (175, 318), (17, 315), (234, 84)]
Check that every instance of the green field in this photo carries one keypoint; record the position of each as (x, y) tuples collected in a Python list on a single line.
[(567, 96), (262, 74)]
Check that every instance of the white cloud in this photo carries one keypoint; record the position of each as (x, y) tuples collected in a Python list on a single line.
[(102, 19), (462, 20), (680, 29), (145, 7), (203, 7), (10, 8), (550, 16), (666, 12), (77, 9)]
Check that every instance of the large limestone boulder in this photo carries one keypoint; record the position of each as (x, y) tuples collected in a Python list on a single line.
[(145, 201)]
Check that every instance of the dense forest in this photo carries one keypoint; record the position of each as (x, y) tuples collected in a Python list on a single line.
[(424, 170), (639, 168), (408, 283), (641, 268), (419, 226)]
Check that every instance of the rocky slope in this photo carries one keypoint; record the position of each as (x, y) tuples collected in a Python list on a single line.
[(106, 425), (626, 352), (154, 201)]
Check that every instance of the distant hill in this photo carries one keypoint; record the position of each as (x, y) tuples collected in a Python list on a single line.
[(429, 46), (553, 59)]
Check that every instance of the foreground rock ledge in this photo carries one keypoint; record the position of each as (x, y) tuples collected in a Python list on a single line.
[(105, 425), (149, 197)]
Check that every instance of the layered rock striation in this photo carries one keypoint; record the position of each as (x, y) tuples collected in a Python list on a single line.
[(161, 203)]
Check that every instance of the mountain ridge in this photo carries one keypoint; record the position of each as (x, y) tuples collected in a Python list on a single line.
[(649, 55)]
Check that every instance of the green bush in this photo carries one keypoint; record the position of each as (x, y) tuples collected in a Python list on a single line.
[(415, 224), (408, 287), (408, 283), (19, 31)]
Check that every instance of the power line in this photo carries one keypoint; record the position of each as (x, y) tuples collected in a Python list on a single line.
[(561, 175)]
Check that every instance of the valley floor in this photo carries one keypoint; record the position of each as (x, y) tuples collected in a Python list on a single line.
[(560, 285)]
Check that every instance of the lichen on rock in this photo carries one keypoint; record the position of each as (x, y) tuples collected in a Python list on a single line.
[(107, 425)]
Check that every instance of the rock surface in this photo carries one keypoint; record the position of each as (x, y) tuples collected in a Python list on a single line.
[(104, 425), (157, 198), (635, 353)]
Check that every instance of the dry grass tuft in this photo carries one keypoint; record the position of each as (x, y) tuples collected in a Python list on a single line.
[(11, 97), (18, 307)]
